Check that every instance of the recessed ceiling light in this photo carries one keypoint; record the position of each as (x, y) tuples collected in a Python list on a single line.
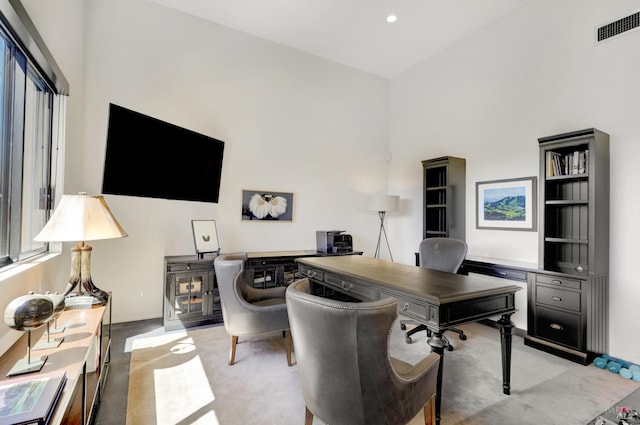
[(392, 18)]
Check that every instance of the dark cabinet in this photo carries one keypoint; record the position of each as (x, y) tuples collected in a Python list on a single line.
[(191, 293), (568, 309), (278, 268), (444, 197)]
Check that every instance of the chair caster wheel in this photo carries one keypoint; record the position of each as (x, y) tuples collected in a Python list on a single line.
[(463, 337), (403, 326), (408, 340), (449, 347)]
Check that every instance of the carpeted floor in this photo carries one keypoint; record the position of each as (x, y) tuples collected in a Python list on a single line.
[(183, 378)]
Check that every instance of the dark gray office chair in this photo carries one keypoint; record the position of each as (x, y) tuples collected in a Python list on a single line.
[(346, 372), (247, 310), (445, 255)]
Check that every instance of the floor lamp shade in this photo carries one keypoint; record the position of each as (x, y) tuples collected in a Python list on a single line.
[(80, 218), (383, 203)]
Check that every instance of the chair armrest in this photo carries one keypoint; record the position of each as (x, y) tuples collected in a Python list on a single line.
[(408, 372)]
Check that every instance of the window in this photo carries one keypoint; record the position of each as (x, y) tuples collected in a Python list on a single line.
[(28, 100)]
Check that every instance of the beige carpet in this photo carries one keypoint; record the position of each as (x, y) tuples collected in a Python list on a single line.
[(183, 378)]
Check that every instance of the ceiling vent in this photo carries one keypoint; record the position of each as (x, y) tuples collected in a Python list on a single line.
[(618, 27)]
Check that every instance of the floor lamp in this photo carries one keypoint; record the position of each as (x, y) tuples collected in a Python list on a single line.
[(383, 204)]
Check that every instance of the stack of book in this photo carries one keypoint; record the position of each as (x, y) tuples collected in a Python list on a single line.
[(30, 399)]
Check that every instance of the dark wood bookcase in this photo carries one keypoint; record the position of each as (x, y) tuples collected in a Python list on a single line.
[(568, 297), (444, 197)]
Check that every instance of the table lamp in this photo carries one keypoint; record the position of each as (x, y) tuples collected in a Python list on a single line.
[(382, 204), (80, 218)]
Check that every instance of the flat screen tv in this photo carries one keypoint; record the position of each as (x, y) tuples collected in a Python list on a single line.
[(151, 158)]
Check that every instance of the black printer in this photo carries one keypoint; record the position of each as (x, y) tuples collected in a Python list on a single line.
[(333, 241)]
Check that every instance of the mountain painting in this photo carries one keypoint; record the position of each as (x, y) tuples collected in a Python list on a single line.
[(505, 204)]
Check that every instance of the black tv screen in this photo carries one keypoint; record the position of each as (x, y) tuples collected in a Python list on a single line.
[(151, 158)]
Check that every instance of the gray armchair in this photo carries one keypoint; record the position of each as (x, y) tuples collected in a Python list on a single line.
[(346, 373), (445, 255), (247, 310)]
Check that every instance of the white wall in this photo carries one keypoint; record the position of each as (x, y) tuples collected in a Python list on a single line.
[(291, 122), (489, 98)]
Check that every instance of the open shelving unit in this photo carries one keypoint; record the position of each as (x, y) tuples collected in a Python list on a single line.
[(568, 296), (444, 197)]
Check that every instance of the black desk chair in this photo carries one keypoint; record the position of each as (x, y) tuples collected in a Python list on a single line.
[(445, 255)]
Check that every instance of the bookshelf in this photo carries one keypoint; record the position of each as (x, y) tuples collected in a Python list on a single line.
[(568, 308), (444, 197)]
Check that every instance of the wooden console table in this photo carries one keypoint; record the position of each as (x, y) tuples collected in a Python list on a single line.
[(84, 355), (437, 299)]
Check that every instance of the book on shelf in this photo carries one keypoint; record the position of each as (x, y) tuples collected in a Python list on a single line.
[(30, 399), (567, 164)]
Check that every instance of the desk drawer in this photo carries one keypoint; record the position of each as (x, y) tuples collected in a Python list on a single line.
[(311, 273), (558, 281), (414, 310), (558, 326), (560, 298), (354, 288)]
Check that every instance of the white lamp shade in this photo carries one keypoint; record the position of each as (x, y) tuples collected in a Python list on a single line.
[(383, 202), (81, 218)]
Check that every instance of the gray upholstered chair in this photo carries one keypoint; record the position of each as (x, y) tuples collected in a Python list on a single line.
[(445, 255), (246, 310), (346, 373)]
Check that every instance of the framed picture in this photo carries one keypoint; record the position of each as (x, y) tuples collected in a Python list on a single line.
[(264, 205), (205, 237), (506, 204)]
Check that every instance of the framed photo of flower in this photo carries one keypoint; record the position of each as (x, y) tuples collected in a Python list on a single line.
[(506, 204), (263, 205)]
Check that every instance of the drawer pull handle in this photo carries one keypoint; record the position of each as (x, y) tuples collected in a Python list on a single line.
[(346, 286), (311, 273), (504, 273), (405, 307), (556, 326), (580, 269), (556, 281), (555, 298)]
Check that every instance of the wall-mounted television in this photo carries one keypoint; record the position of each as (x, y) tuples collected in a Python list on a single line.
[(150, 158)]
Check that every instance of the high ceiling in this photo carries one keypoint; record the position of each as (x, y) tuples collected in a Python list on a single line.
[(355, 32)]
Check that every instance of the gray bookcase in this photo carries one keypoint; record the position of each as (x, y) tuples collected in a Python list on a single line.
[(568, 297), (444, 197)]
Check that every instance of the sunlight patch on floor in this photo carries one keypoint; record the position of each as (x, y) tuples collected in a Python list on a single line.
[(182, 392)]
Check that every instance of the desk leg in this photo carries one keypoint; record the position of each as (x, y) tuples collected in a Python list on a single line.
[(506, 326), (438, 346)]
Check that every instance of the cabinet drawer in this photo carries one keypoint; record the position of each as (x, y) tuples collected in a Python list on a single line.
[(188, 267), (558, 281), (558, 326), (560, 298), (358, 290), (311, 273)]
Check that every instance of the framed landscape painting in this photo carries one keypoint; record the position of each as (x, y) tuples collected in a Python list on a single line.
[(506, 204)]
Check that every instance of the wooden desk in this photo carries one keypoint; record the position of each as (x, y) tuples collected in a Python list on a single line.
[(84, 355), (437, 299)]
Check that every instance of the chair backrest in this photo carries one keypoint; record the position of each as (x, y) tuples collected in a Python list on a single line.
[(229, 267), (343, 362), (443, 254)]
